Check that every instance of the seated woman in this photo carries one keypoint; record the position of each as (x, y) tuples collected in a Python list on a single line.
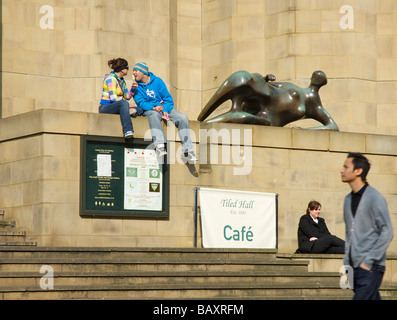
[(115, 95), (313, 234)]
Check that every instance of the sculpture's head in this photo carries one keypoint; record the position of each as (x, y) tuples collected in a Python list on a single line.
[(319, 79)]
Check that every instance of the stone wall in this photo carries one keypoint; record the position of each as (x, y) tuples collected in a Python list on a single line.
[(194, 45), (52, 82), (40, 177)]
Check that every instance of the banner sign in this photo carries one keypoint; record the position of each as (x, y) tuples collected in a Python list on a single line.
[(122, 179), (238, 219)]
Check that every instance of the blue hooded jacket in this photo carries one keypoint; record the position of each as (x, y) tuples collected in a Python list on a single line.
[(150, 95)]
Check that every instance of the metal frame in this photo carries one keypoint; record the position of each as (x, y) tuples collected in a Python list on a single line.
[(196, 189), (132, 214)]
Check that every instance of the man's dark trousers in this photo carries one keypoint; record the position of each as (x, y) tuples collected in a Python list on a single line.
[(367, 283)]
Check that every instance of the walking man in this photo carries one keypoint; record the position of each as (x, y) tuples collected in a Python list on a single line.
[(368, 229)]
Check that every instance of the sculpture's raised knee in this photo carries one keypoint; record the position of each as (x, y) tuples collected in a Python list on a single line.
[(238, 78)]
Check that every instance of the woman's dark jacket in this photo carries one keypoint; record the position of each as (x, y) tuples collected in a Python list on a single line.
[(308, 228)]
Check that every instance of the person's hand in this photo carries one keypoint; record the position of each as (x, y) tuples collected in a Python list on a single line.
[(134, 85), (313, 238), (158, 108), (363, 266)]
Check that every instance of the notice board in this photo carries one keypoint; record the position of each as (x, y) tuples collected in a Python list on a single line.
[(121, 179)]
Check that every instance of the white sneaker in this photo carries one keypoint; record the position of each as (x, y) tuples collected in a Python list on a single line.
[(161, 151), (128, 135), (189, 157), (133, 112)]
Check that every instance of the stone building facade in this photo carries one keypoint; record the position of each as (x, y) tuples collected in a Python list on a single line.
[(54, 56)]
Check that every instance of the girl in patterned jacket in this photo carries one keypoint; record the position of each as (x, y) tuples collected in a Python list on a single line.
[(115, 95)]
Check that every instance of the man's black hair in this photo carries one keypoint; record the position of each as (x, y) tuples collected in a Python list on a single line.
[(360, 162)]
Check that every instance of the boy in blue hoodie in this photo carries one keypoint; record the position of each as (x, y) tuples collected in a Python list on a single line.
[(154, 98)]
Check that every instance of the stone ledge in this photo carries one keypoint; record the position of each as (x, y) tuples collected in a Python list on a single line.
[(78, 123), (43, 121), (82, 123), (309, 256), (306, 139)]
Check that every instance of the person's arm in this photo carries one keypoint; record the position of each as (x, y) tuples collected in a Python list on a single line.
[(140, 100), (168, 102), (347, 217), (380, 212), (307, 228), (131, 93)]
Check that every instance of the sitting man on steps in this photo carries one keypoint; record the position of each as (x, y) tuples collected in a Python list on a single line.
[(154, 98)]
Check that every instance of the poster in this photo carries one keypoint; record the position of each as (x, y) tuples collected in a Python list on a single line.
[(143, 180), (122, 180), (238, 219), (104, 165)]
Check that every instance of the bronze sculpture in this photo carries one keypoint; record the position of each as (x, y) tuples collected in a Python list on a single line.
[(259, 100)]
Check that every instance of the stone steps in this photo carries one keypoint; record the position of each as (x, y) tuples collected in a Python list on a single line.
[(163, 273), (136, 253), (6, 223), (192, 277), (10, 236), (160, 273), (177, 291), (90, 265)]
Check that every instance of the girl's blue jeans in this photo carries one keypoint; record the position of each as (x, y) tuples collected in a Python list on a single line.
[(123, 108)]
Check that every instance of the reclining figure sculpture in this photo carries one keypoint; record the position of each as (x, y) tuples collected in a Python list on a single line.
[(261, 101)]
